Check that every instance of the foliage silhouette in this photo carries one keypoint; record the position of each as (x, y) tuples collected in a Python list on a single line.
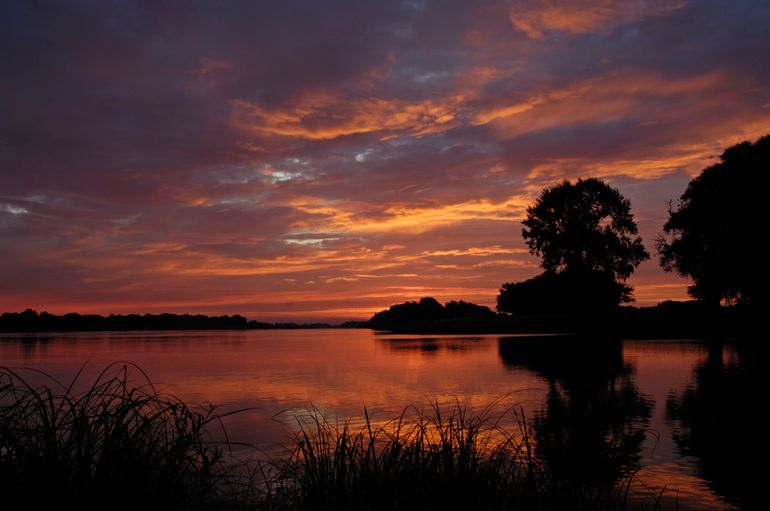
[(558, 293), (31, 321), (718, 230), (587, 238), (586, 226), (428, 310)]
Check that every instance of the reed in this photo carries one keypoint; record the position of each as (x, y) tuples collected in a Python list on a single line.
[(115, 445), (424, 460), (121, 444)]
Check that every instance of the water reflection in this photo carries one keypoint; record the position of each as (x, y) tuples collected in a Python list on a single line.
[(719, 420), (430, 346), (594, 419), (589, 403)]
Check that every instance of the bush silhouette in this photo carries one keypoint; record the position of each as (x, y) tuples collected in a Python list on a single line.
[(568, 291), (428, 309)]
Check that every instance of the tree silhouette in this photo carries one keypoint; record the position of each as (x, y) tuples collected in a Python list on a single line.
[(718, 231), (587, 226), (587, 238)]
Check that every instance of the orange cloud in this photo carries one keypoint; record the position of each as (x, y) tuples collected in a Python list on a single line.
[(411, 219), (475, 251), (538, 18), (325, 116), (688, 157), (598, 99)]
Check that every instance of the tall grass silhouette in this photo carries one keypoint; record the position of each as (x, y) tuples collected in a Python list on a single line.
[(122, 444), (115, 445), (425, 460)]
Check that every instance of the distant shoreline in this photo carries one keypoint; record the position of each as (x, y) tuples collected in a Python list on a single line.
[(676, 320), (665, 320), (30, 321)]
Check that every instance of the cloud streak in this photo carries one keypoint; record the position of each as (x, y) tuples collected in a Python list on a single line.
[(538, 18)]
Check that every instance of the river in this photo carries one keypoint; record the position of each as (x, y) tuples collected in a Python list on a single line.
[(667, 411)]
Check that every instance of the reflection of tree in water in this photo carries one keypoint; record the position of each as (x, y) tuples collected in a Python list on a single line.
[(430, 346), (593, 424), (719, 419)]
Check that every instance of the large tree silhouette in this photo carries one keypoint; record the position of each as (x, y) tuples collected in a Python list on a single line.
[(587, 239), (586, 226), (718, 231)]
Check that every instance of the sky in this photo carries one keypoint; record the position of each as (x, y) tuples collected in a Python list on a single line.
[(320, 161)]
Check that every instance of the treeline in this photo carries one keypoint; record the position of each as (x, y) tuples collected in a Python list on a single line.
[(667, 319), (31, 321)]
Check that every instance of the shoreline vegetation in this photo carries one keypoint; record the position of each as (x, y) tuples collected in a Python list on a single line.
[(30, 321), (665, 320), (86, 448)]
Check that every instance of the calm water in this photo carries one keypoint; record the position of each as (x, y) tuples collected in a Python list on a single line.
[(680, 414)]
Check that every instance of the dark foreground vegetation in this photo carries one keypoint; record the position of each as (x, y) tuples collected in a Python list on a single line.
[(119, 445), (112, 446)]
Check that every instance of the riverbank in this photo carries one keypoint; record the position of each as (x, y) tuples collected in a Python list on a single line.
[(668, 320)]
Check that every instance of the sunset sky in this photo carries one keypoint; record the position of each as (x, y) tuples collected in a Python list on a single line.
[(321, 160)]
